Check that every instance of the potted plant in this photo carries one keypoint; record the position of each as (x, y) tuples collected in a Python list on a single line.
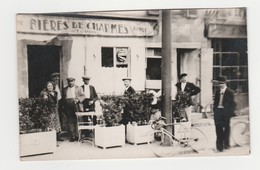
[(139, 108), (35, 138), (111, 133)]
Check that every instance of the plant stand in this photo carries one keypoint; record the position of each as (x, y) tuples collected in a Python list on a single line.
[(37, 143), (109, 136), (139, 134)]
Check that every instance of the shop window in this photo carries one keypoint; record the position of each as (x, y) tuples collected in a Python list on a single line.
[(115, 56), (230, 59), (153, 61)]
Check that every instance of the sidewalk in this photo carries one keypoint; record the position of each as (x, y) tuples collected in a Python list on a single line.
[(84, 151)]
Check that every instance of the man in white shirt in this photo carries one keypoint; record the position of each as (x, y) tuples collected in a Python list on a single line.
[(72, 96), (90, 94), (186, 88)]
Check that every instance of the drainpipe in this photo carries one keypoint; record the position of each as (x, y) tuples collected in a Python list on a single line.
[(166, 67)]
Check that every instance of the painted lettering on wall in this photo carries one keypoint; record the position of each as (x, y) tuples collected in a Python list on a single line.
[(59, 25)]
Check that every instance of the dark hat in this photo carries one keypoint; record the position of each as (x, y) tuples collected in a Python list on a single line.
[(70, 79), (85, 77), (182, 75), (126, 78), (222, 79), (55, 74)]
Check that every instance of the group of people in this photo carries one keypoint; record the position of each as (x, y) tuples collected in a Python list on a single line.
[(82, 98), (224, 107), (72, 99)]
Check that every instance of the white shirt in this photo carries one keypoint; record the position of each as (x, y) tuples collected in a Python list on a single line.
[(86, 91), (57, 89), (71, 92), (183, 86), (222, 91)]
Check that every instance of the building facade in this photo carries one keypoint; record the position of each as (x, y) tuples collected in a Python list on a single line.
[(108, 46)]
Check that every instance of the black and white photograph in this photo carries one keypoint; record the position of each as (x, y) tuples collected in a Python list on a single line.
[(129, 85), (133, 84)]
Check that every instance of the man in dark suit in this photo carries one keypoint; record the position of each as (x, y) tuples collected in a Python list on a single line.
[(183, 86), (224, 107), (90, 94), (72, 95), (129, 90), (90, 97)]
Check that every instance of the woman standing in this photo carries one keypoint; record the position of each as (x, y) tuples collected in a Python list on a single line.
[(51, 98)]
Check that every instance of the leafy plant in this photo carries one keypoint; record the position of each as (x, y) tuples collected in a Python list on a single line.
[(112, 107), (183, 100), (33, 113), (138, 106)]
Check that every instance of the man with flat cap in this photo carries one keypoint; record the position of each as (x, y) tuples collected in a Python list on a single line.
[(72, 95), (224, 109), (187, 88)]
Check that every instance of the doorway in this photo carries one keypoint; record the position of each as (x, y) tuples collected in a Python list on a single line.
[(43, 60)]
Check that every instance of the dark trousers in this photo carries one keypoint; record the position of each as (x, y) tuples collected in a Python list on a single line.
[(70, 109), (222, 124)]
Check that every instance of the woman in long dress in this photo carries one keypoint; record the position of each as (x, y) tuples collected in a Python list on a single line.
[(51, 97)]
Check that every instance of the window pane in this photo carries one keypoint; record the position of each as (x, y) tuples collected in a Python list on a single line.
[(216, 73), (153, 70), (121, 57), (216, 45), (107, 57), (157, 52), (243, 86), (243, 74), (243, 59), (216, 59), (153, 52), (150, 52), (233, 85), (231, 45), (229, 59), (230, 72)]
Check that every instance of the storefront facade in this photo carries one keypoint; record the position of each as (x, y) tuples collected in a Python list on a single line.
[(110, 47)]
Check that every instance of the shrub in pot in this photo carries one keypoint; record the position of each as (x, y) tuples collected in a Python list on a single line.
[(111, 133), (139, 111), (33, 122)]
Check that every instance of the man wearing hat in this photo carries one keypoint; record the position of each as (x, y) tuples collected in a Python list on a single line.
[(128, 88), (72, 95), (224, 107), (183, 86), (90, 94)]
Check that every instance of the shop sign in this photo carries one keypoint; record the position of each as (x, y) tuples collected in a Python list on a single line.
[(79, 26), (227, 31)]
